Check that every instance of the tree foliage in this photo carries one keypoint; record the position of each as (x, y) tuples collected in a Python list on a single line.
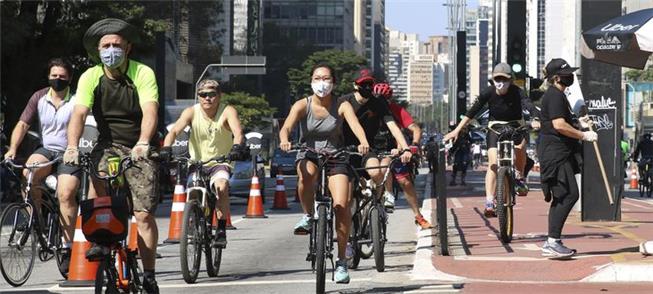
[(640, 75), (252, 110), (344, 63)]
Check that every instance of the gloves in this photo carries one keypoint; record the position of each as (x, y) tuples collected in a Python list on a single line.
[(165, 154), (238, 152), (140, 151), (590, 136), (71, 156), (585, 122)]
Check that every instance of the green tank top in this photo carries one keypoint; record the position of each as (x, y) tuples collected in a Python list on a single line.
[(208, 136)]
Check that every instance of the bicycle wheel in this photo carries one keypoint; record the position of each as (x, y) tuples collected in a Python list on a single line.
[(135, 284), (190, 243), (17, 244), (377, 239), (106, 275), (353, 239), (213, 255), (366, 250), (504, 194), (642, 185), (320, 249)]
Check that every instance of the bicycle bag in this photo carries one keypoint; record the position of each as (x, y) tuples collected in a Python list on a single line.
[(105, 219)]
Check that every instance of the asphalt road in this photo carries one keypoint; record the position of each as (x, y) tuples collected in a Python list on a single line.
[(263, 256)]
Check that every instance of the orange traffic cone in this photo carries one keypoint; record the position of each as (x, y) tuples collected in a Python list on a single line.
[(255, 201), (230, 226), (280, 201), (633, 178), (132, 243), (176, 214), (81, 272)]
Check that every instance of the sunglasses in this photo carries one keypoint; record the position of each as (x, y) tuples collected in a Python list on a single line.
[(207, 94)]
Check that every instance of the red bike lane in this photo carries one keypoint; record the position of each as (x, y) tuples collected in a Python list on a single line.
[(607, 251)]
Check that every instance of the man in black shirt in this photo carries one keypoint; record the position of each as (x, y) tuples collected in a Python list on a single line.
[(558, 151), (645, 149), (461, 150), (506, 103)]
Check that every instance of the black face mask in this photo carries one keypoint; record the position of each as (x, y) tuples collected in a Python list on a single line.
[(366, 91), (58, 84), (566, 80)]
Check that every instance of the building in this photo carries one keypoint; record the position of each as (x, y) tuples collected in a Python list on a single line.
[(439, 82), (471, 17), (402, 46), (436, 46), (420, 79), (370, 34)]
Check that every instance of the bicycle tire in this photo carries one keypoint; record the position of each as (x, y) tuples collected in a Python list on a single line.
[(135, 283), (190, 229), (320, 249), (366, 250), (11, 267), (213, 255), (377, 239), (504, 192), (104, 277), (354, 236)]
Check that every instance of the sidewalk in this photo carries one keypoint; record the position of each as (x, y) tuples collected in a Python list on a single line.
[(607, 251)]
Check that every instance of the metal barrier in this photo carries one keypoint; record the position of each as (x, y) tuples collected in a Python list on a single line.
[(437, 159)]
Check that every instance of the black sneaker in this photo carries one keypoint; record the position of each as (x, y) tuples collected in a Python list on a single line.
[(150, 286), (220, 240), (96, 252)]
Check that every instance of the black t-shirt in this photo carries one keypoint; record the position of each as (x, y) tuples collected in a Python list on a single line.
[(555, 105), (371, 116), (506, 107)]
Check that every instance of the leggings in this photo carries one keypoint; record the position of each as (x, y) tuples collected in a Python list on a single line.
[(561, 205)]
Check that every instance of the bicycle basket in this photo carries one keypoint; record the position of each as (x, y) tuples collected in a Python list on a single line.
[(104, 219)]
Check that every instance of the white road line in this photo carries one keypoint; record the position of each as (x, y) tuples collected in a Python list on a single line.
[(237, 221), (451, 290), (456, 203), (530, 247), (640, 200), (636, 205), (516, 258)]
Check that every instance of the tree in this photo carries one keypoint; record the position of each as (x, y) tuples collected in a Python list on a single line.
[(251, 109), (344, 63)]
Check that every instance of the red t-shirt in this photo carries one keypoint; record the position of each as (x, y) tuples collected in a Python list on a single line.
[(401, 116)]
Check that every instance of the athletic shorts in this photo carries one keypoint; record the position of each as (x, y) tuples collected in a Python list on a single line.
[(401, 170), (60, 168), (336, 166), (492, 139), (358, 161), (215, 173)]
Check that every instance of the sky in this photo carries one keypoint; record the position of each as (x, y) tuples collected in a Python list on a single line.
[(424, 17)]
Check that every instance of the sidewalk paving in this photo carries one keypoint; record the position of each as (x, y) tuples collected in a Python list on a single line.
[(607, 251)]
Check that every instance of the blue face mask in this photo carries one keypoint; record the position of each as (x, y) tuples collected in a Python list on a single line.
[(112, 57)]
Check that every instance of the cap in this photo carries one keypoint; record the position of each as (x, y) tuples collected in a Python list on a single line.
[(363, 75), (502, 70), (558, 66), (105, 27)]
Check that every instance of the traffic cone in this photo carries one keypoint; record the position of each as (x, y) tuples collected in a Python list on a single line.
[(633, 178), (176, 214), (280, 201), (230, 226), (81, 272), (132, 243), (255, 201)]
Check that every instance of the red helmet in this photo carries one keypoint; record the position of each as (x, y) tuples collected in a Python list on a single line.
[(383, 90)]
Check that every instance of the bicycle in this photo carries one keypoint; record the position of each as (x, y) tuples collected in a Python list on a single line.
[(369, 217), (196, 229), (505, 185), (118, 270), (645, 178), (23, 227)]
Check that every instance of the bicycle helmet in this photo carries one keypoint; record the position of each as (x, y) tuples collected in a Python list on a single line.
[(382, 90)]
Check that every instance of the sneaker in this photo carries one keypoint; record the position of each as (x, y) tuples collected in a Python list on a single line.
[(150, 286), (220, 240), (423, 223), (349, 252), (489, 210), (520, 187), (341, 276), (96, 252), (65, 259), (556, 250), (389, 200), (303, 226)]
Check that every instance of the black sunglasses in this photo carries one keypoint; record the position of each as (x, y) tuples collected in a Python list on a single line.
[(207, 94)]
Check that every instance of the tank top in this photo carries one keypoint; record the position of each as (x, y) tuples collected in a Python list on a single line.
[(325, 133), (208, 136)]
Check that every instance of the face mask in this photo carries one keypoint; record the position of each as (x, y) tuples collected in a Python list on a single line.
[(322, 88), (112, 57), (58, 84), (366, 91), (502, 87), (566, 80)]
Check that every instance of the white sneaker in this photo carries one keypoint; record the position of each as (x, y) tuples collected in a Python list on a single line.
[(389, 200), (646, 248)]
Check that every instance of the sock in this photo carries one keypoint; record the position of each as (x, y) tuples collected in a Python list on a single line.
[(552, 240), (148, 274), (222, 224)]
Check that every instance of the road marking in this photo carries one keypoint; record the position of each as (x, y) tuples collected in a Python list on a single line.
[(530, 247), (450, 290), (641, 200), (456, 203), (636, 205), (516, 258)]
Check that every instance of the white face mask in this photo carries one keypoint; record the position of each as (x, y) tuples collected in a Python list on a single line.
[(502, 87), (322, 88)]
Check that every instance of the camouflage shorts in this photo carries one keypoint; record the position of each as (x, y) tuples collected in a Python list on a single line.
[(143, 181)]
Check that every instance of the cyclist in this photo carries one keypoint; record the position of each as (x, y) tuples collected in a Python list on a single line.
[(461, 150), (212, 126), (402, 171), (506, 102), (644, 149), (320, 117), (558, 152), (123, 96), (51, 108)]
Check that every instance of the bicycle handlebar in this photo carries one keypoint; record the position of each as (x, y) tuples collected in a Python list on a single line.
[(87, 164), (218, 159), (31, 166)]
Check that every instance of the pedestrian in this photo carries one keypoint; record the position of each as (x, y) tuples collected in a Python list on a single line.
[(461, 150), (559, 153), (123, 96)]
